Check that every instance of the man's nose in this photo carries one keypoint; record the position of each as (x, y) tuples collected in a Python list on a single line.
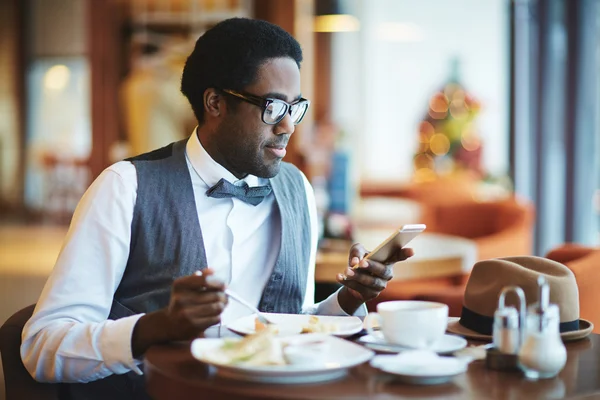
[(286, 125)]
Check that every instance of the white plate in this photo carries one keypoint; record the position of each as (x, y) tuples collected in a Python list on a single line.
[(291, 324), (341, 355), (448, 344), (441, 371)]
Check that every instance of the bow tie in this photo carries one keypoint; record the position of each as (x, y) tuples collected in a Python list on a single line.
[(251, 195)]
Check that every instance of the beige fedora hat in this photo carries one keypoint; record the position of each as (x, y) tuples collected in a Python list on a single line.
[(489, 277)]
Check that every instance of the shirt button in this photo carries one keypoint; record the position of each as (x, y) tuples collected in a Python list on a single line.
[(277, 277)]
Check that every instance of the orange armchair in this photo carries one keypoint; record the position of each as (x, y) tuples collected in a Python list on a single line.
[(500, 229), (443, 190), (585, 263)]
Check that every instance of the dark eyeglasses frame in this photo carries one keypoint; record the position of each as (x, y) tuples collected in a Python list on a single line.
[(264, 102)]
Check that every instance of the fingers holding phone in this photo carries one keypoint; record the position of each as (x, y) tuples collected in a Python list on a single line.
[(367, 273), (365, 278)]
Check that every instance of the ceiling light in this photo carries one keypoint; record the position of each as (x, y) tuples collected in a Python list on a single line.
[(330, 18)]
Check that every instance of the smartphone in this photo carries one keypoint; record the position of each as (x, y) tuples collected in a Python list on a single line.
[(398, 239)]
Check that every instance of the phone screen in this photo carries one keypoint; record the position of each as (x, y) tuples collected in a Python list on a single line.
[(396, 240)]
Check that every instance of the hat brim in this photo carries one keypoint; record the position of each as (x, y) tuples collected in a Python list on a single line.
[(454, 326)]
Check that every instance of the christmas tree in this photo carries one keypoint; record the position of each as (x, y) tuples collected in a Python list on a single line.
[(448, 138)]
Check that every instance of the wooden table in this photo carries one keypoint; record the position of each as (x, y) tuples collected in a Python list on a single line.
[(172, 373)]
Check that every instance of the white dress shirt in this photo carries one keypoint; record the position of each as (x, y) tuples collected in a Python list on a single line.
[(69, 339)]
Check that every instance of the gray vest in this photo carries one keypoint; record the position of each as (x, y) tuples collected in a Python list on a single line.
[(166, 243), (166, 239)]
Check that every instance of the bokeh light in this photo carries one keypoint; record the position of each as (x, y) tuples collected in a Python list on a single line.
[(458, 95), (57, 77), (336, 23), (439, 144), (438, 103), (450, 89), (423, 161), (426, 129), (458, 110), (424, 175), (437, 115), (470, 140)]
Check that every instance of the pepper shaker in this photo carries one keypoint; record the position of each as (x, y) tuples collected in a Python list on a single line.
[(508, 322)]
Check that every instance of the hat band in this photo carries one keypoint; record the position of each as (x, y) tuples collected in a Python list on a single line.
[(485, 325)]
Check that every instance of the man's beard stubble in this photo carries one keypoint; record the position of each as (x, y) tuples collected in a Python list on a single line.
[(244, 156)]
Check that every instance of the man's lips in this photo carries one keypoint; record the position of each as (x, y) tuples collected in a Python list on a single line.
[(277, 151)]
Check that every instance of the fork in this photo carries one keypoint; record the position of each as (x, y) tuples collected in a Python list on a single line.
[(243, 302)]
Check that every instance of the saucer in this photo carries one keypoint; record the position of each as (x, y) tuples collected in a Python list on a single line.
[(420, 367), (446, 345)]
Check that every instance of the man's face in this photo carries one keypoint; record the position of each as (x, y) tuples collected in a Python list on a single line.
[(248, 145)]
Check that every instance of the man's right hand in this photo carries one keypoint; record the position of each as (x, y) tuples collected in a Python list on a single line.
[(196, 303)]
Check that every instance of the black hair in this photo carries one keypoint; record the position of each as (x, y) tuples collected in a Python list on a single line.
[(228, 56)]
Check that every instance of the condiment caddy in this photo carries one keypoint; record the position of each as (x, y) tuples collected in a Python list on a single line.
[(527, 339)]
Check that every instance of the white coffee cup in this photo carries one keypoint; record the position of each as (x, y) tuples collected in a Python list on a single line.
[(415, 324)]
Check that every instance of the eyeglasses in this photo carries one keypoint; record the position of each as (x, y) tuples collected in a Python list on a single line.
[(274, 110)]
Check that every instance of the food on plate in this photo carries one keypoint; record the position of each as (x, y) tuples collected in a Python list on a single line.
[(261, 348), (315, 325), (264, 348), (259, 326)]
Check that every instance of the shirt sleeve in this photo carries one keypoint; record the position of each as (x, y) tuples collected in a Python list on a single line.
[(329, 306), (68, 338)]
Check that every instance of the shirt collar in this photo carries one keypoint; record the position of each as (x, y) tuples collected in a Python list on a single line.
[(211, 171)]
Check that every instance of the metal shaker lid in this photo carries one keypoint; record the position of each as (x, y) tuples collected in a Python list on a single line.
[(506, 317)]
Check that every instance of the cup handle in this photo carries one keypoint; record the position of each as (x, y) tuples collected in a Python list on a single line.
[(371, 320)]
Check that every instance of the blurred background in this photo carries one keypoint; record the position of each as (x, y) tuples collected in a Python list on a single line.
[(479, 118)]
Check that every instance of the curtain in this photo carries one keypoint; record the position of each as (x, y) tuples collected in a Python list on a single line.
[(554, 116)]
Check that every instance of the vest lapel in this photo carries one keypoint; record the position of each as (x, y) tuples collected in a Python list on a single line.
[(285, 289), (166, 239), (196, 239)]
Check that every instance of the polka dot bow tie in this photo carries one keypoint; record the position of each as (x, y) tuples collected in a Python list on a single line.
[(251, 195)]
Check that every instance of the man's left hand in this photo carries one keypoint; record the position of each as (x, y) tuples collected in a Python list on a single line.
[(365, 282)]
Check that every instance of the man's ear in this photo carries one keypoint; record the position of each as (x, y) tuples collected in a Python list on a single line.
[(213, 102)]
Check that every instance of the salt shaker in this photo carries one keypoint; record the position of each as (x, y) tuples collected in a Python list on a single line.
[(508, 322), (543, 354)]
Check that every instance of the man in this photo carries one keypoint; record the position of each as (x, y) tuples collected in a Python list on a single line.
[(134, 270)]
